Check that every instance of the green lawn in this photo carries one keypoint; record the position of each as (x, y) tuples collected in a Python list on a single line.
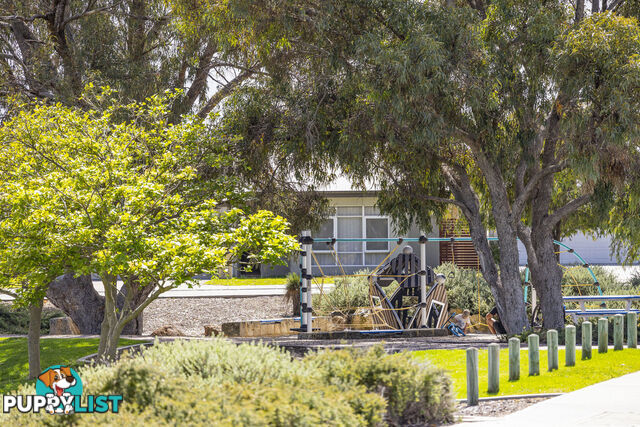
[(248, 281), (14, 364), (601, 367), (257, 281)]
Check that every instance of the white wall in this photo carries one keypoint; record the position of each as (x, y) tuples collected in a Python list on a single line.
[(593, 251)]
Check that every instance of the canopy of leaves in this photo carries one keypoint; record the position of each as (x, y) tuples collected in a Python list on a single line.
[(85, 191), (414, 93)]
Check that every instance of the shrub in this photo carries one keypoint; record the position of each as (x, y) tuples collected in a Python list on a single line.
[(216, 382), (415, 393), (292, 296), (577, 280), (348, 294), (462, 289), (16, 320), (634, 280)]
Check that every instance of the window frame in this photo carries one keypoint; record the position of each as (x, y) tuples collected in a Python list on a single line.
[(363, 246)]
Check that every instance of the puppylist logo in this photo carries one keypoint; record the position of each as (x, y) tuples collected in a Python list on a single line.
[(59, 391)]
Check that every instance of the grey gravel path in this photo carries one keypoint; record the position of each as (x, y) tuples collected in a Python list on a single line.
[(191, 315)]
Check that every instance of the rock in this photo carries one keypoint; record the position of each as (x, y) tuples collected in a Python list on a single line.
[(63, 326), (167, 331), (212, 331)]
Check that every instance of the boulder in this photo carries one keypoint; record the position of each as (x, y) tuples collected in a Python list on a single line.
[(212, 331), (167, 331), (63, 326)]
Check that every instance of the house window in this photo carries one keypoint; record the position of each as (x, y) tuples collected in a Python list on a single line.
[(353, 222), (377, 228)]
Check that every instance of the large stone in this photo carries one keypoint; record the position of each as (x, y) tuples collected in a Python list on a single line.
[(212, 331), (167, 331), (63, 326)]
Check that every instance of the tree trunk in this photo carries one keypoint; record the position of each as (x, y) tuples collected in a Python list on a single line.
[(77, 297), (105, 348), (546, 277), (505, 285), (513, 313), (33, 338)]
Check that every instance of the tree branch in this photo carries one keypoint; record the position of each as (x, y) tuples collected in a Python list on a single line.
[(566, 210), (527, 191), (224, 92)]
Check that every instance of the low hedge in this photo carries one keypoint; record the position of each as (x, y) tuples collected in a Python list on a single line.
[(216, 382), (15, 320)]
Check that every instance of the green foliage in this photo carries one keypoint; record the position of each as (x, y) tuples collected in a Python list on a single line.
[(135, 199), (293, 282), (415, 393), (347, 296), (634, 280), (292, 296), (14, 369), (217, 381), (16, 320), (576, 281), (462, 289), (122, 192)]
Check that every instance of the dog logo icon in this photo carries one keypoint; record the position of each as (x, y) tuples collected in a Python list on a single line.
[(60, 384)]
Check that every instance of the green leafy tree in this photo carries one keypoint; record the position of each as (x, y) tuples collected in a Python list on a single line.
[(50, 51), (493, 107), (135, 201)]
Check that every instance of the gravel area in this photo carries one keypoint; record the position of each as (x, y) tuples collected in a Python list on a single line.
[(495, 408), (190, 315)]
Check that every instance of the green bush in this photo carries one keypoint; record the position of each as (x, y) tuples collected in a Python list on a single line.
[(348, 294), (16, 320), (216, 382), (292, 296), (577, 280), (634, 280), (462, 289), (416, 394)]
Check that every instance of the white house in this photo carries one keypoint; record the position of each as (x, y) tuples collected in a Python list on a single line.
[(356, 216)]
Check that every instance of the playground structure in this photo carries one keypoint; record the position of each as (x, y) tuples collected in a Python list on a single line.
[(401, 278), (387, 309)]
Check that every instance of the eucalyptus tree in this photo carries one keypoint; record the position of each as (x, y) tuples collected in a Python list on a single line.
[(135, 200), (485, 106)]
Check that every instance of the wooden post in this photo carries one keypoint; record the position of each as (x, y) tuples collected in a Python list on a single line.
[(514, 359), (632, 330), (552, 349), (494, 368), (534, 354), (473, 390), (570, 345), (586, 340), (603, 335), (618, 332)]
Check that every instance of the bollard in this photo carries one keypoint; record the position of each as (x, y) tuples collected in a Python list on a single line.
[(514, 359), (570, 345), (552, 349), (603, 335), (494, 368), (618, 332), (534, 354), (586, 340), (632, 330), (473, 391)]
